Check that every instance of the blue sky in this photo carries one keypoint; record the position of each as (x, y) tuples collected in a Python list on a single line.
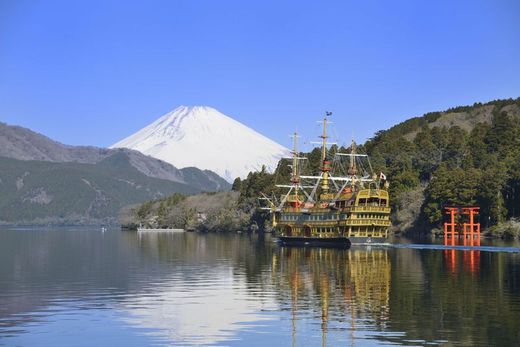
[(92, 72)]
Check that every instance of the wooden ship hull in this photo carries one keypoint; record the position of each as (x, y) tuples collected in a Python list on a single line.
[(366, 221)]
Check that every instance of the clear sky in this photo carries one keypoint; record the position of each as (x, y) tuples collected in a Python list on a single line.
[(93, 72)]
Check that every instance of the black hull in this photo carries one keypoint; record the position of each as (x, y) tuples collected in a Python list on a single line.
[(329, 242), (336, 242)]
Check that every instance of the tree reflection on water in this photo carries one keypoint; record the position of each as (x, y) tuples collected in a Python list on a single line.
[(230, 289)]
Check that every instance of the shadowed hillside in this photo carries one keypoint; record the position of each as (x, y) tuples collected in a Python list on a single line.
[(44, 192)]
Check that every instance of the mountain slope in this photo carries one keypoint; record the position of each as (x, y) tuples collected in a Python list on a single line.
[(204, 138), (463, 156), (464, 117), (46, 192), (23, 144)]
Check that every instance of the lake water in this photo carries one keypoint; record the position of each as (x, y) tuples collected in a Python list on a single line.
[(82, 287)]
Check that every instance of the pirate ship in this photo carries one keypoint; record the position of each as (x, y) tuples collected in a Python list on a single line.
[(344, 204)]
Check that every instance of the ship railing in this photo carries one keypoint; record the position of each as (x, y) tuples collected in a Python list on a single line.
[(370, 209), (365, 221)]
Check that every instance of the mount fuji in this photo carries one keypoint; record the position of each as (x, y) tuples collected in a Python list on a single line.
[(203, 137)]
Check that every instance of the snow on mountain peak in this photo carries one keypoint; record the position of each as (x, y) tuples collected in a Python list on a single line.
[(202, 137)]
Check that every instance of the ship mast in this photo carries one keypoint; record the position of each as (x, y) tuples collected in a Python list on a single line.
[(295, 177), (352, 170), (325, 167)]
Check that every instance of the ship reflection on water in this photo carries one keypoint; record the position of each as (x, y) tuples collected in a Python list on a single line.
[(346, 286), (340, 292), (234, 290)]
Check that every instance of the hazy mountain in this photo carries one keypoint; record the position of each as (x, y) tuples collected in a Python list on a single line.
[(48, 192), (203, 137), (23, 144)]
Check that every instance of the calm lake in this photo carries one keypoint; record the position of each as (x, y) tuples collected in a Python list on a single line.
[(83, 287)]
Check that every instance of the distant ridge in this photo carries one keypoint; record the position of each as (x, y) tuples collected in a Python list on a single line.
[(45, 182), (24, 144), (202, 137)]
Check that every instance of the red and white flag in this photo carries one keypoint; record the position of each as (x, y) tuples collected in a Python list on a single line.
[(382, 176)]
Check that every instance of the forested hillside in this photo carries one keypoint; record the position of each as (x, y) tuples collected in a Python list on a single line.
[(44, 181), (38, 192), (465, 155)]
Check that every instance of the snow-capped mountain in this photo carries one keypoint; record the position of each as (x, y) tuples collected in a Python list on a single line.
[(203, 137)]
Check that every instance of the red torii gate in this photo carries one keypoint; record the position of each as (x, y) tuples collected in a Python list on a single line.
[(470, 230), (470, 234)]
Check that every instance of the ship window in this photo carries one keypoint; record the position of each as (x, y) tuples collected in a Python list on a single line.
[(362, 201), (373, 201)]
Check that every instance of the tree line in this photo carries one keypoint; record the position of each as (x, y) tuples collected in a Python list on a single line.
[(477, 165)]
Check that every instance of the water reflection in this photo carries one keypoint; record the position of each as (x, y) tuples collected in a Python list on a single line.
[(347, 286), (470, 258), (204, 299), (470, 261), (224, 289)]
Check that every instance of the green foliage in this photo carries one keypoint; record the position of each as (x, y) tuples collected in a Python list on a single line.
[(479, 167), (237, 185), (462, 166), (451, 187), (257, 182)]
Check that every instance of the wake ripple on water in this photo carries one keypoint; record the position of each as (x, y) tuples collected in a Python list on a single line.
[(457, 247)]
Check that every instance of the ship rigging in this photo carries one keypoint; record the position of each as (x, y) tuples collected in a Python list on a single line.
[(344, 203)]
